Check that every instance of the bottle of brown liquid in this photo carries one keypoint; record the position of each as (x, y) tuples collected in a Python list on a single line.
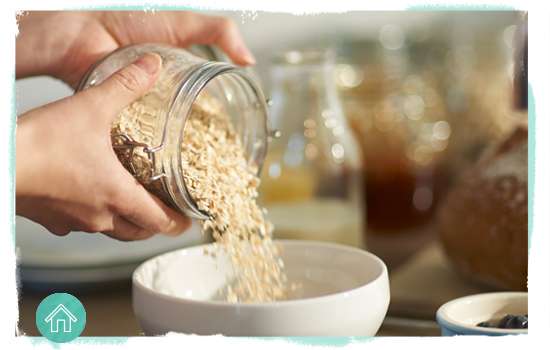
[(400, 120)]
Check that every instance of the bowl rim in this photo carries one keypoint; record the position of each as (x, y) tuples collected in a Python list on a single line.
[(444, 320), (275, 304)]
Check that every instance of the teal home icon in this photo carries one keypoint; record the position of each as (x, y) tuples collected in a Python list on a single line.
[(58, 316)]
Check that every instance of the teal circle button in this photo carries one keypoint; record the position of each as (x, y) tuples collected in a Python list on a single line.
[(60, 317)]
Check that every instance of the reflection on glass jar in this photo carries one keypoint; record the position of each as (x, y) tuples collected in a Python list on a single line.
[(312, 180)]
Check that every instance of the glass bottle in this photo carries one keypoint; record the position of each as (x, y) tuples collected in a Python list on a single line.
[(312, 180), (399, 116), (186, 75)]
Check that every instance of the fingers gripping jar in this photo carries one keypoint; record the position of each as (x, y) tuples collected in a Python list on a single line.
[(148, 135)]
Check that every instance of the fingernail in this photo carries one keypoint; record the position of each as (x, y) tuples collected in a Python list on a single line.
[(247, 55), (149, 62)]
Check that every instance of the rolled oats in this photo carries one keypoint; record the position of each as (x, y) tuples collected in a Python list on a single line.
[(221, 183)]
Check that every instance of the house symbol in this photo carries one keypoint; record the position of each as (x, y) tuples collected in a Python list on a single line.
[(57, 317)]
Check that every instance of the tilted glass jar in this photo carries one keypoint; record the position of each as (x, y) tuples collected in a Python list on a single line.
[(185, 74)]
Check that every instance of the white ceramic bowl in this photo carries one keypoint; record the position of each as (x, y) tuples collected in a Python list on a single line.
[(345, 292), (460, 316)]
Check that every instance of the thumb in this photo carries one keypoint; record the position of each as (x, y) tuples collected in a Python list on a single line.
[(126, 85)]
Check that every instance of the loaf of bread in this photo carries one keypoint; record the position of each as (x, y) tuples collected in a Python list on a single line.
[(483, 220)]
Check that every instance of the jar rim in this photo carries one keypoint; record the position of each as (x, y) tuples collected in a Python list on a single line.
[(189, 88)]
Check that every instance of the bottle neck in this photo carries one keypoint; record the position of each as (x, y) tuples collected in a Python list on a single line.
[(311, 77), (304, 92)]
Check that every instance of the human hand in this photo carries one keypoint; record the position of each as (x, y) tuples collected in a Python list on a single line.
[(63, 44), (68, 177)]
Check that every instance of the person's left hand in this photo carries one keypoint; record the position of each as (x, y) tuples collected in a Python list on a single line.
[(63, 44), (68, 178)]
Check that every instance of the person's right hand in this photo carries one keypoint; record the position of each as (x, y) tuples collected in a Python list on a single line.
[(68, 177)]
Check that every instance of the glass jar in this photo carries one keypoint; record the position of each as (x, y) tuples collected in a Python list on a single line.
[(312, 182), (396, 110), (184, 76)]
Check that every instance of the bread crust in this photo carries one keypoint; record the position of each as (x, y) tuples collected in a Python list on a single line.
[(483, 221)]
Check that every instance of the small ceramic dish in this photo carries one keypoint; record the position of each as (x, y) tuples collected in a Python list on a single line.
[(344, 292), (460, 316)]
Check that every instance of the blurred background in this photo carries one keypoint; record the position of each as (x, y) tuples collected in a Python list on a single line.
[(375, 127), (423, 93)]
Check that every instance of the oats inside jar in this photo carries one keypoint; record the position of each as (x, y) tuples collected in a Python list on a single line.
[(222, 184)]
